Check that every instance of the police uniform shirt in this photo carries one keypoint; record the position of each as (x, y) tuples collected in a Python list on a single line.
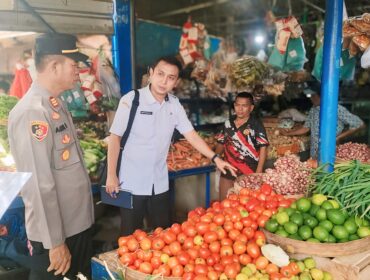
[(144, 156), (57, 198)]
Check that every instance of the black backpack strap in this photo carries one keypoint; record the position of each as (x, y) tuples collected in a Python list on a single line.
[(134, 106)]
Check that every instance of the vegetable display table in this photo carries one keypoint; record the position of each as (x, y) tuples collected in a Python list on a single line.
[(173, 175)]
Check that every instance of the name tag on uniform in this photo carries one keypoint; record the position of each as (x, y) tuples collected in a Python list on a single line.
[(61, 128), (146, 113)]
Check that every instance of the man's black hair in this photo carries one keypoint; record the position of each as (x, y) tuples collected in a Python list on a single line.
[(170, 60), (247, 95)]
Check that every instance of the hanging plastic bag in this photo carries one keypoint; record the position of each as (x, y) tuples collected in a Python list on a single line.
[(365, 59), (295, 55), (76, 102)]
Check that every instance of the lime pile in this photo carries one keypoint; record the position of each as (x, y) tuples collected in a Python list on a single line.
[(317, 219)]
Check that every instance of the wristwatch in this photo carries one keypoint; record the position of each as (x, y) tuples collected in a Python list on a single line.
[(214, 157)]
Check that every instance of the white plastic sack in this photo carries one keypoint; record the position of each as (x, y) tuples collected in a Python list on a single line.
[(365, 59)]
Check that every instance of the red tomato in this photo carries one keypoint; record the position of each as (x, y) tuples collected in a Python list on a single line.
[(190, 230), (275, 276), (226, 251), (231, 270), (183, 257), (245, 259), (157, 231), (137, 263), (225, 260), (226, 203), (164, 270), (146, 268), (204, 253), (212, 275), (254, 216), (177, 271), (189, 267), (169, 237), (202, 227), (244, 191), (122, 241), (127, 259), (239, 247), (253, 250), (147, 256), (200, 211), (251, 204), (181, 237), (243, 199), (175, 247), (219, 219), (166, 250), (271, 268), (259, 235), (285, 203), (246, 221), (221, 233), (262, 220), (172, 262), (188, 276), (228, 225), (232, 196), (216, 206), (211, 261), (259, 209), (201, 277), (188, 243), (207, 218), (176, 228), (210, 236), (226, 242), (261, 197), (145, 243), (238, 225), (261, 262), (132, 244), (242, 238), (265, 188), (286, 271), (139, 234), (215, 246), (294, 268), (201, 269), (248, 232), (156, 262), (200, 261), (271, 204), (121, 250), (233, 234), (219, 267), (193, 253)]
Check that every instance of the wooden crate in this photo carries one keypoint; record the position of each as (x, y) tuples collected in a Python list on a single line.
[(351, 267)]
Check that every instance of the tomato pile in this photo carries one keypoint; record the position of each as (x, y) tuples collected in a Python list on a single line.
[(212, 243)]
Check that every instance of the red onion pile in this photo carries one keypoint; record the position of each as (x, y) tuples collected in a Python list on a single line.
[(352, 151), (251, 181), (290, 176)]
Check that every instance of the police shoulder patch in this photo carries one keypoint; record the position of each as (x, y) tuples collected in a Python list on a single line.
[(39, 129)]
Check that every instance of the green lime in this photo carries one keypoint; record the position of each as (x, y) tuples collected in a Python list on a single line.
[(309, 263), (303, 204), (314, 208), (327, 276), (311, 222), (334, 203), (340, 232), (301, 265), (289, 211), (290, 227), (305, 232), (318, 199), (282, 233), (326, 225), (353, 237), (327, 205), (296, 218), (282, 218), (365, 223), (271, 225), (331, 239), (320, 233), (363, 232), (336, 216), (313, 240), (295, 236), (321, 214), (293, 205), (343, 240), (350, 226), (317, 274)]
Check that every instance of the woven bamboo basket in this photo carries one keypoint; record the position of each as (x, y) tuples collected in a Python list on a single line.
[(318, 249)]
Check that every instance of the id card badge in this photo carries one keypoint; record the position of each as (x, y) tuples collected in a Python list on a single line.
[(123, 198)]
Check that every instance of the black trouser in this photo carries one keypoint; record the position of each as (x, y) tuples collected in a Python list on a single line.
[(80, 247), (155, 207)]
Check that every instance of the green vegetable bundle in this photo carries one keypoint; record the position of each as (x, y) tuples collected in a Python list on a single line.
[(349, 184), (94, 152), (248, 71)]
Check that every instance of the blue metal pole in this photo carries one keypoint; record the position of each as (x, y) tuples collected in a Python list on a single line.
[(123, 43), (330, 81)]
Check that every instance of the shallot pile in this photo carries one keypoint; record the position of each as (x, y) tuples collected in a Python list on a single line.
[(251, 181), (353, 151), (290, 175)]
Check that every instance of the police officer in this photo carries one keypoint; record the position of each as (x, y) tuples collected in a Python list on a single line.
[(143, 169), (57, 198)]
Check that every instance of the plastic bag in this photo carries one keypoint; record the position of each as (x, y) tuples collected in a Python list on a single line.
[(76, 102), (365, 59), (347, 65), (295, 55)]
